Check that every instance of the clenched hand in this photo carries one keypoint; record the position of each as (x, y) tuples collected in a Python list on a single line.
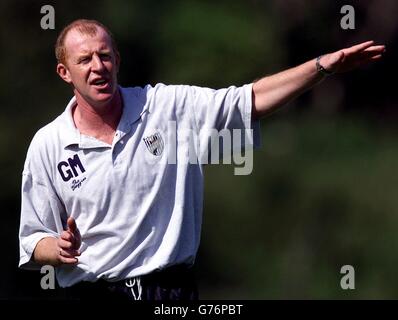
[(69, 243)]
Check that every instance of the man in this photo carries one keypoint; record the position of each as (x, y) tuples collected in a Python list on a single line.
[(99, 203)]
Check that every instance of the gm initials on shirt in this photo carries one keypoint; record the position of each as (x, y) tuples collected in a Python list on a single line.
[(68, 169)]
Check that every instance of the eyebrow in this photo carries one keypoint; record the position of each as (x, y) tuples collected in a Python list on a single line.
[(86, 54)]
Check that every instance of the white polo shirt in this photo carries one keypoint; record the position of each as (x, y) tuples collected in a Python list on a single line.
[(136, 212)]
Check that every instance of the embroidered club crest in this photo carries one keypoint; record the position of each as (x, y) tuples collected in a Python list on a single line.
[(155, 144)]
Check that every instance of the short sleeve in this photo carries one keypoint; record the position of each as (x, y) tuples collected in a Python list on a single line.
[(40, 218), (223, 117)]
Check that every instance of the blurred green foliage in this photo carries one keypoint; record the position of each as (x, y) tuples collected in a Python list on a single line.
[(322, 193)]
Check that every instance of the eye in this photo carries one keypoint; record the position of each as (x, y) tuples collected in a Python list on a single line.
[(105, 56), (84, 60)]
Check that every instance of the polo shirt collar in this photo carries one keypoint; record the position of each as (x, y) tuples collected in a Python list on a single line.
[(133, 108)]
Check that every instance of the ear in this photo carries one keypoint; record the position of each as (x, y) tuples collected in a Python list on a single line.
[(64, 73)]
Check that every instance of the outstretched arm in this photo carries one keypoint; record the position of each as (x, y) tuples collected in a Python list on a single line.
[(272, 92)]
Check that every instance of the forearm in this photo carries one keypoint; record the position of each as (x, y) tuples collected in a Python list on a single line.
[(272, 92), (62, 250), (46, 252)]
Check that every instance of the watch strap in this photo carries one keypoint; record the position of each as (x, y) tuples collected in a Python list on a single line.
[(321, 69)]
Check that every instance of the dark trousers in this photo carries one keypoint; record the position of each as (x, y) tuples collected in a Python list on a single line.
[(173, 283)]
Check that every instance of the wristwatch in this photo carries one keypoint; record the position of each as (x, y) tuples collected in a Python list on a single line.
[(321, 69)]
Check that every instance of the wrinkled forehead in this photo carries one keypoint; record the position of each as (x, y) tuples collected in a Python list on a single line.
[(77, 42)]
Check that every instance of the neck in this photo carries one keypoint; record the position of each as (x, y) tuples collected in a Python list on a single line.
[(99, 122)]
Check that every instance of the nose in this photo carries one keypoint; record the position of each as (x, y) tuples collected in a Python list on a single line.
[(97, 64)]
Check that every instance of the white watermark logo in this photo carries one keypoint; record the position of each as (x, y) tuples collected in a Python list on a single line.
[(48, 280), (348, 20), (348, 280), (48, 20), (209, 146)]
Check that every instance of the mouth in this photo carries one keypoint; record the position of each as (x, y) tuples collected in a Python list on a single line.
[(100, 83)]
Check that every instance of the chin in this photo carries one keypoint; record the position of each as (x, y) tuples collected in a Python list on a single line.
[(102, 97)]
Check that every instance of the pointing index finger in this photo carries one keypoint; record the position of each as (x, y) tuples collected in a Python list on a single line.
[(361, 46)]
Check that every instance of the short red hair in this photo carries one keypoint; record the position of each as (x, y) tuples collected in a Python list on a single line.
[(84, 26)]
